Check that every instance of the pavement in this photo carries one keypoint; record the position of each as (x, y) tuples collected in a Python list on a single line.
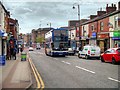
[(15, 74)]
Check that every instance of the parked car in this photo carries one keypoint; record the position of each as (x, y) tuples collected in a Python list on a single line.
[(111, 55), (71, 51), (89, 51), (31, 49)]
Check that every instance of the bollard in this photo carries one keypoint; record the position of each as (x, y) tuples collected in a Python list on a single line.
[(23, 56), (2, 60)]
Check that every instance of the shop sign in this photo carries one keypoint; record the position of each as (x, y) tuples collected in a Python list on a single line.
[(94, 35), (116, 33), (116, 38)]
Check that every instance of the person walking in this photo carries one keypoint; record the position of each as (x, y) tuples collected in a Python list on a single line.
[(21, 50), (8, 53), (14, 53)]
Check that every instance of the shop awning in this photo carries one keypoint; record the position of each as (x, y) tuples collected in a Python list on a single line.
[(1, 33)]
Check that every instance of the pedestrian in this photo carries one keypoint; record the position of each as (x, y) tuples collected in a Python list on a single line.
[(14, 53), (8, 53), (115, 45), (21, 50), (11, 53)]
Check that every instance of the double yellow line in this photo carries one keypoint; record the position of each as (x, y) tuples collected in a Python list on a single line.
[(40, 83)]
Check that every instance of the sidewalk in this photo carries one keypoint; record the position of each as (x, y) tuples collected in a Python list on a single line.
[(15, 74)]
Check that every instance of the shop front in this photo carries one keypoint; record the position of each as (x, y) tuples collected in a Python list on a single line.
[(84, 41), (103, 41), (92, 40), (116, 38), (2, 48)]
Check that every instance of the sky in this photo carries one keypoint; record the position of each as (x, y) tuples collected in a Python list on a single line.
[(34, 14)]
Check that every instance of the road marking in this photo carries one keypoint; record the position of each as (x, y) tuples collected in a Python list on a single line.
[(55, 58), (66, 62), (85, 69), (113, 79), (40, 53)]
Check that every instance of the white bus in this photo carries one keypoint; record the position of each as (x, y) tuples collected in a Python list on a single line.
[(56, 42)]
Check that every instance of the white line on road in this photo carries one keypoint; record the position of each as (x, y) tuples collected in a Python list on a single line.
[(55, 58), (66, 62), (85, 69), (113, 79)]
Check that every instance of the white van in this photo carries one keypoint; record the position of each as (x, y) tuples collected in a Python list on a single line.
[(89, 51)]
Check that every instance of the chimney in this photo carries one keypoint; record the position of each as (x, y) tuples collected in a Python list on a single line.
[(119, 5), (110, 9), (112, 4), (99, 13), (93, 16)]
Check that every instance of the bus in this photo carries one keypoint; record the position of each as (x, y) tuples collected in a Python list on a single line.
[(56, 42)]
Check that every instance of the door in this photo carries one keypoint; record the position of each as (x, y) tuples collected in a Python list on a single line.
[(107, 55)]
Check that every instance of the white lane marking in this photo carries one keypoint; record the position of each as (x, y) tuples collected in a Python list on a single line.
[(113, 79), (66, 62), (85, 69), (55, 58)]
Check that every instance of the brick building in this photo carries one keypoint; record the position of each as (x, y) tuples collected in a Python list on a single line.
[(99, 27)]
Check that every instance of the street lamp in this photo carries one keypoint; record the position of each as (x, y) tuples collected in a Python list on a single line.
[(40, 25), (50, 25), (78, 17)]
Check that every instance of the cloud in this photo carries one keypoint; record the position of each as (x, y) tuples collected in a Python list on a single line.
[(31, 14)]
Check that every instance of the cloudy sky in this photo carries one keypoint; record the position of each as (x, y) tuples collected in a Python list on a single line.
[(32, 13)]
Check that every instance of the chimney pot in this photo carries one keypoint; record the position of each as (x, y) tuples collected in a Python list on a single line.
[(107, 5), (112, 4)]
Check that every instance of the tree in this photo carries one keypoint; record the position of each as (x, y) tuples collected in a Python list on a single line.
[(40, 39)]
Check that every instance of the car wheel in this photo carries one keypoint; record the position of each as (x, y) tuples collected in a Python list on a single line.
[(86, 57), (113, 61), (78, 55)]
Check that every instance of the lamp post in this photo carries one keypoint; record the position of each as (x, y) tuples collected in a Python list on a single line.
[(78, 17), (50, 25)]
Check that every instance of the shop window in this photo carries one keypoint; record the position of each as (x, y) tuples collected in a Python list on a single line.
[(92, 27), (116, 22)]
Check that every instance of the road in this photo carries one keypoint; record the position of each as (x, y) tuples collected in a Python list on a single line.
[(72, 72)]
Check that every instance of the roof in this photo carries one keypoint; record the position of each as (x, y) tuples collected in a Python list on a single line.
[(101, 17), (4, 8)]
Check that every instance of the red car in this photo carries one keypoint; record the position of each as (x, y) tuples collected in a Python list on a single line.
[(111, 55)]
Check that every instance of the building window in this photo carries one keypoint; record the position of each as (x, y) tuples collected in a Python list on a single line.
[(101, 26), (83, 30), (92, 27), (116, 18)]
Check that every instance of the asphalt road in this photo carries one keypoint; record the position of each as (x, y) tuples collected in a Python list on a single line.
[(72, 72)]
